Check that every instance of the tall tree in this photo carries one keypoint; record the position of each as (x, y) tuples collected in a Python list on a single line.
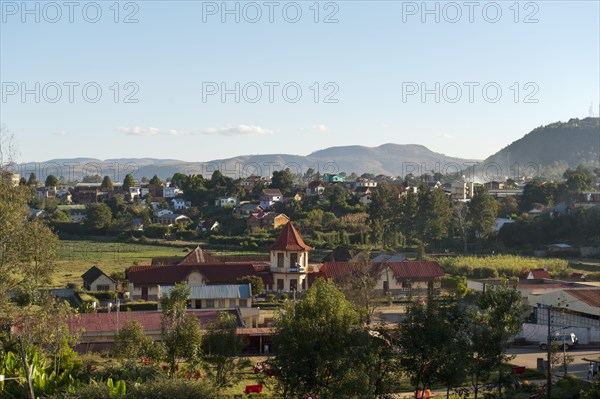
[(107, 184), (315, 345), (32, 181), (132, 343), (27, 248), (128, 182), (222, 347), (179, 180), (359, 287), (434, 214), (498, 318), (180, 330), (98, 216), (483, 210), (155, 180), (51, 181), (282, 180), (461, 221)]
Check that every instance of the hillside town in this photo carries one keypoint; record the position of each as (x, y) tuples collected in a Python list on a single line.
[(389, 249)]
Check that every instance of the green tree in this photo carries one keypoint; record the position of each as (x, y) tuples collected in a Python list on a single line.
[(107, 184), (92, 179), (180, 180), (222, 347), (180, 330), (498, 318), (282, 180), (27, 248), (425, 340), (128, 182), (32, 181), (508, 207), (132, 343), (461, 222), (98, 216), (434, 214), (534, 192), (359, 285), (338, 199), (155, 180), (51, 181), (256, 284), (316, 345), (61, 217), (483, 210)]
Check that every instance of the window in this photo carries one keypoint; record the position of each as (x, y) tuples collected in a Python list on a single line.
[(198, 303), (280, 260), (279, 284), (293, 260), (210, 303), (102, 287), (243, 303), (293, 284), (221, 303)]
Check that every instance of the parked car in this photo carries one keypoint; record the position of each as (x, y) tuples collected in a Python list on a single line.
[(566, 341)]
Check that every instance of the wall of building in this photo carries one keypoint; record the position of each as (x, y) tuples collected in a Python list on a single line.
[(537, 332), (103, 280)]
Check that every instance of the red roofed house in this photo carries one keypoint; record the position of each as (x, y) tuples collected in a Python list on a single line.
[(394, 277), (289, 260), (535, 274)]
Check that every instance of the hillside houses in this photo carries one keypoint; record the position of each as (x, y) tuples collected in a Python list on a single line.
[(270, 197), (266, 221)]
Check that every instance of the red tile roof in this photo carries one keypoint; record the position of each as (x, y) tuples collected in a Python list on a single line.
[(416, 270), (537, 274), (290, 240), (219, 273), (403, 271), (590, 297), (198, 255)]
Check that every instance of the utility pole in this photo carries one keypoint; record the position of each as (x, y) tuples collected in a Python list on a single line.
[(549, 369)]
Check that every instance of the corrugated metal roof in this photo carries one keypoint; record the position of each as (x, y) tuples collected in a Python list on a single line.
[(590, 297), (221, 291)]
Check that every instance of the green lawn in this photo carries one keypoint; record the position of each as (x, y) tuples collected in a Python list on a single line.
[(77, 256)]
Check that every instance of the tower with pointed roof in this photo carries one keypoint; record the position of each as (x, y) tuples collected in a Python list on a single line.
[(289, 260)]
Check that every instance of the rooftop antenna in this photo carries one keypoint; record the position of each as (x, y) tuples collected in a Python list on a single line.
[(591, 112)]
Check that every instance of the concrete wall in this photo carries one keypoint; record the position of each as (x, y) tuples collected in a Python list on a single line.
[(537, 332)]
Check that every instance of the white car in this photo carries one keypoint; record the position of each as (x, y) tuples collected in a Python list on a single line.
[(566, 341)]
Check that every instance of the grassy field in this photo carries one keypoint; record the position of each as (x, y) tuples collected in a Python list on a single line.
[(75, 257)]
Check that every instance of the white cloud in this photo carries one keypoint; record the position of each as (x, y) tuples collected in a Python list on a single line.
[(59, 133), (139, 131), (446, 136), (320, 128), (238, 130)]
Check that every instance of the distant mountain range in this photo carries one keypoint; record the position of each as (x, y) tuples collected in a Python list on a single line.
[(387, 159), (565, 144)]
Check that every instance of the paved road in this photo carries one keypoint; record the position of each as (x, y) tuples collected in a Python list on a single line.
[(527, 356)]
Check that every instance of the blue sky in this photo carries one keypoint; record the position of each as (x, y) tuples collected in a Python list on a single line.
[(373, 63)]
